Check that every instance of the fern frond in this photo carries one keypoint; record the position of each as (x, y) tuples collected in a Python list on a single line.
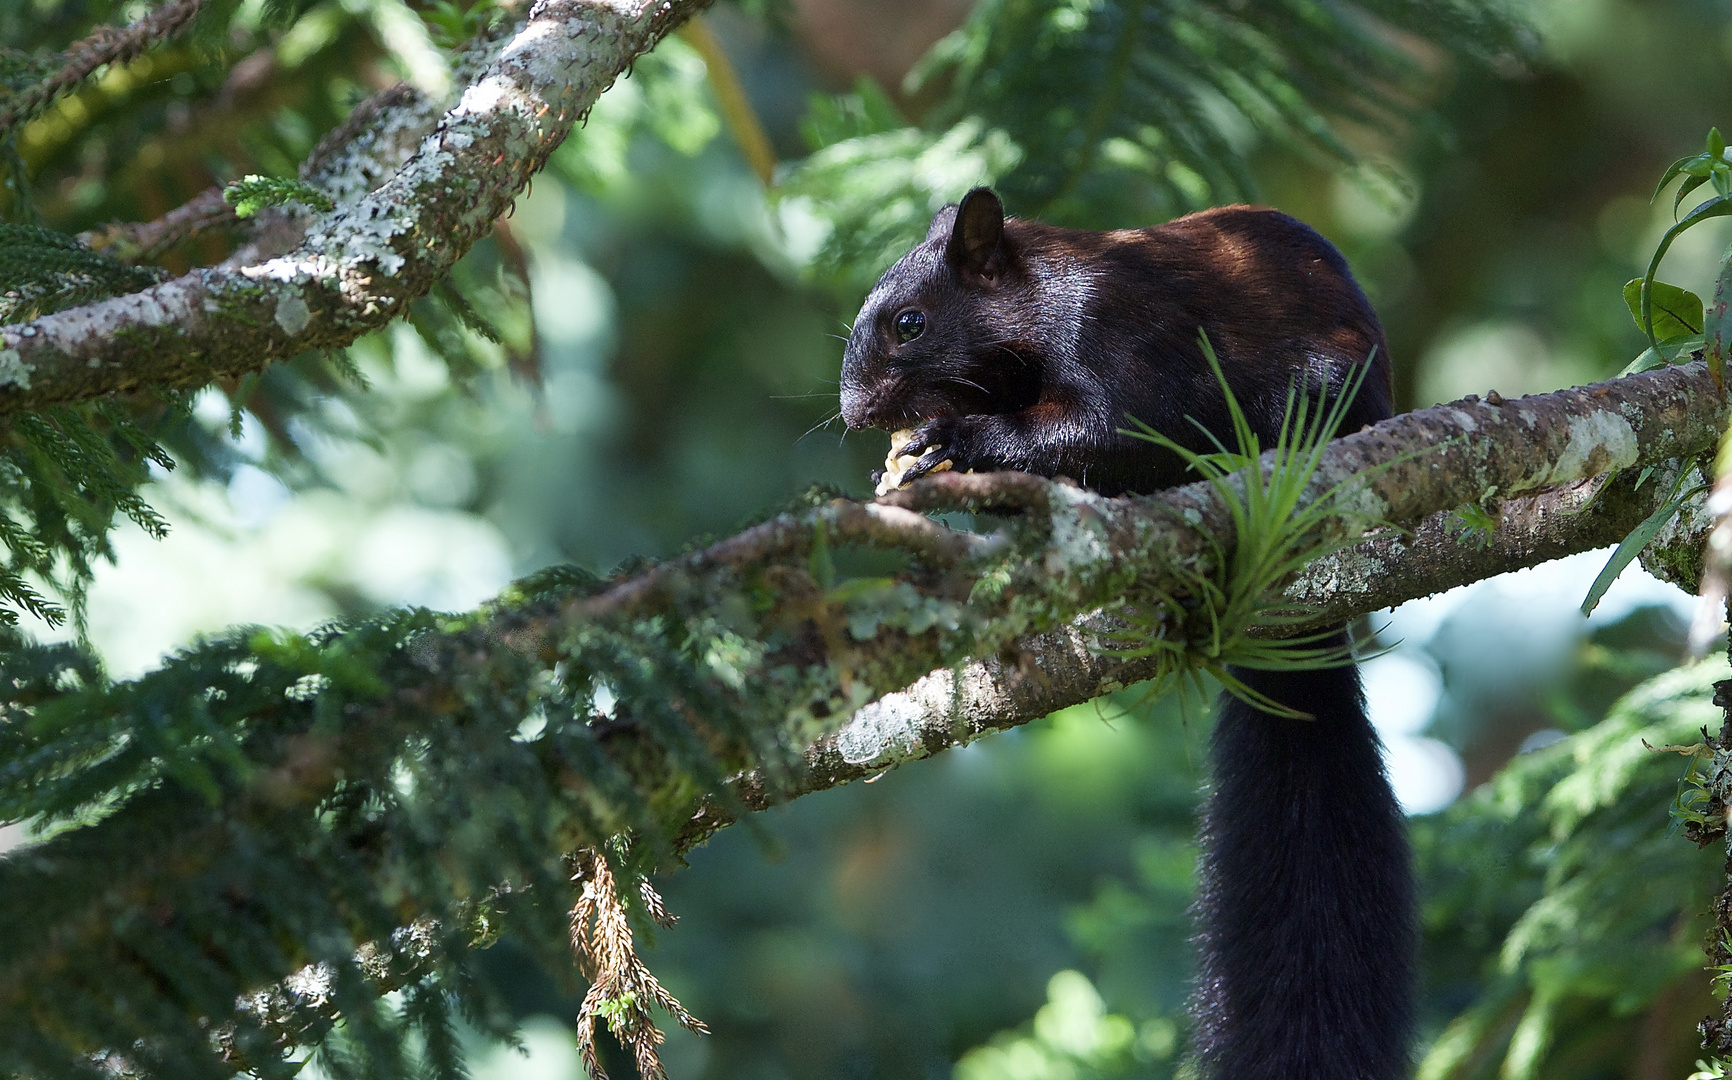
[(1193, 83)]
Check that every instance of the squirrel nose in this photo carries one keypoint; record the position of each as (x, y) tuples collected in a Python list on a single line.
[(874, 409), (856, 407)]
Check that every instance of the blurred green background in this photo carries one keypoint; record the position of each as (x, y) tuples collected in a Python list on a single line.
[(670, 350)]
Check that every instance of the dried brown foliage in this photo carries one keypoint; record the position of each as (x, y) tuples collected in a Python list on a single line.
[(621, 989)]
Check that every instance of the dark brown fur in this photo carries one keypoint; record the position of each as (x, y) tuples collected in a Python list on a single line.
[(1040, 346)]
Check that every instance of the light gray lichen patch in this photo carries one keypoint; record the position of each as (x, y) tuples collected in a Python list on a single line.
[(303, 269), (1599, 441), (78, 330), (292, 269), (1352, 502), (484, 98), (292, 314), (550, 56), (884, 732), (378, 153), (13, 370), (362, 234), (1349, 571), (1465, 419), (586, 45), (1078, 530)]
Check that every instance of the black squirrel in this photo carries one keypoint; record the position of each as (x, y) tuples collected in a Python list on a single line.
[(1010, 344)]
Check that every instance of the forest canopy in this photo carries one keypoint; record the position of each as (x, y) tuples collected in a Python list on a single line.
[(432, 560)]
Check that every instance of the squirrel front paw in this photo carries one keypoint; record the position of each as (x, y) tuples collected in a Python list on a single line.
[(914, 452), (936, 445)]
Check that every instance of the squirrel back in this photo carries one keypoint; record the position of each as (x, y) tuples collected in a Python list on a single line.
[(1008, 344), (1028, 346)]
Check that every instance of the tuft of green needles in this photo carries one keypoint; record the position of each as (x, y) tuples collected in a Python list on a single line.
[(1230, 614)]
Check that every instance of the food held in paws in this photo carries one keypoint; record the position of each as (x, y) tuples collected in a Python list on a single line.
[(896, 462)]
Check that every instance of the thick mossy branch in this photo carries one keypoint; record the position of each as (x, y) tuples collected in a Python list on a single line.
[(1401, 471), (360, 266), (1042, 673), (295, 798)]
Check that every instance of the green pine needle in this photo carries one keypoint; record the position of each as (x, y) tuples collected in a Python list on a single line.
[(253, 193), (43, 271)]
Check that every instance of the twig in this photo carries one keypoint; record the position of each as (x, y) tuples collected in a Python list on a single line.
[(138, 242), (731, 96), (107, 45)]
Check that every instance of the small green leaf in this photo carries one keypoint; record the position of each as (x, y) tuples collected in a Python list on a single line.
[(1691, 183), (1638, 539), (1672, 171), (1718, 207), (1670, 351), (1673, 347), (1647, 360), (1716, 143), (1473, 524), (1677, 313)]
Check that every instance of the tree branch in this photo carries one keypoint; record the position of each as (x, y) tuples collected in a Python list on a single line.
[(137, 242), (980, 632), (374, 141), (1400, 472), (360, 265), (1042, 673)]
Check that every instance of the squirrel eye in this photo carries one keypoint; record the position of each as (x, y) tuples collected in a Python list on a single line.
[(908, 325)]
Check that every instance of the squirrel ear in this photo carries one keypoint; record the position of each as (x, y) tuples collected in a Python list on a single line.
[(942, 223), (975, 237)]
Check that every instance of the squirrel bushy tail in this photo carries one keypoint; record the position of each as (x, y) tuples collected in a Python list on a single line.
[(1305, 907)]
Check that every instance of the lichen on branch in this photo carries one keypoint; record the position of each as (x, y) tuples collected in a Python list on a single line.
[(359, 266)]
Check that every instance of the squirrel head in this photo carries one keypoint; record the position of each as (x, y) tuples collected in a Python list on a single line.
[(938, 334)]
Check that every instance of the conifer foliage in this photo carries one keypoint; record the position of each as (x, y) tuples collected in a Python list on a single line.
[(1093, 113), (274, 831), (70, 470)]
